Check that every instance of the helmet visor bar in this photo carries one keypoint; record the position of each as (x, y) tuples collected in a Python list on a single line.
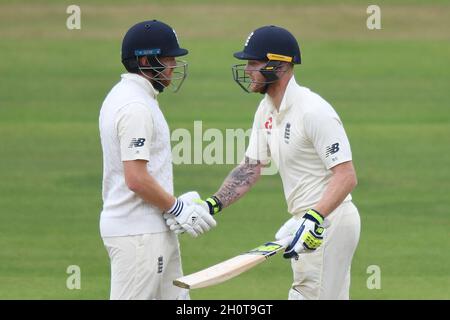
[(178, 74), (240, 75)]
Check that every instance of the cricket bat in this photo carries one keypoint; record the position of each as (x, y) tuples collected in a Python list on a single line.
[(233, 267)]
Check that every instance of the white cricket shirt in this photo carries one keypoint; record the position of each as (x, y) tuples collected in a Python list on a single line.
[(305, 139), (132, 127)]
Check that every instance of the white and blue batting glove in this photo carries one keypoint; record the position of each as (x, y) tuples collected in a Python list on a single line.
[(188, 199), (307, 231), (173, 224), (188, 216)]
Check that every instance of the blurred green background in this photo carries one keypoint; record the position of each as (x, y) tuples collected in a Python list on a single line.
[(390, 87)]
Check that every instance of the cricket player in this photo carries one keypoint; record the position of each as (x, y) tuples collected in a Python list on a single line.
[(303, 135), (137, 170)]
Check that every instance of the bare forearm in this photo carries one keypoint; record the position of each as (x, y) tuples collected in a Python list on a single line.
[(145, 186), (150, 190), (341, 184), (238, 182)]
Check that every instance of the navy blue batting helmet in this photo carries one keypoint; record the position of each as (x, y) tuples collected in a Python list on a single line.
[(150, 38), (271, 43), (154, 40)]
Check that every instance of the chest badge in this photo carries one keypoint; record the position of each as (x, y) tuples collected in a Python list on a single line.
[(287, 132), (268, 125)]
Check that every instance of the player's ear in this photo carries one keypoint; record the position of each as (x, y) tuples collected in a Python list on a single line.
[(285, 66), (143, 61), (288, 66)]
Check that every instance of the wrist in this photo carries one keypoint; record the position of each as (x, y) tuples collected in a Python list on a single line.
[(315, 216), (214, 205), (176, 208)]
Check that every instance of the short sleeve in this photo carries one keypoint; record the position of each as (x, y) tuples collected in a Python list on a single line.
[(328, 136), (258, 148), (135, 129)]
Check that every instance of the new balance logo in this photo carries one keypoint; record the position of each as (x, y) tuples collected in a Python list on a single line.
[(136, 142), (332, 149)]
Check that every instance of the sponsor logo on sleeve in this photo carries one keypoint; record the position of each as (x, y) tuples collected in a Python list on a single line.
[(332, 149), (136, 143)]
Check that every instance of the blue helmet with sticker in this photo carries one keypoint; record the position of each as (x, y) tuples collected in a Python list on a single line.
[(153, 39), (270, 43)]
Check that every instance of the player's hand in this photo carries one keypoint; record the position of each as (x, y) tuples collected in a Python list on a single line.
[(172, 223), (188, 198), (308, 233), (193, 218), (212, 204)]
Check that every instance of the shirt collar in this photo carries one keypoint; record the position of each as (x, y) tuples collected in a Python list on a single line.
[(287, 100), (141, 82)]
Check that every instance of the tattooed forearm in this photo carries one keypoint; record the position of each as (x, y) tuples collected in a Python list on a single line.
[(238, 182)]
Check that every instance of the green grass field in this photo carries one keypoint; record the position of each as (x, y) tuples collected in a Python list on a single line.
[(390, 87)]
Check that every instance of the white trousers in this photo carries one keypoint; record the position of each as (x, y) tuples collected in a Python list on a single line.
[(144, 266), (325, 273)]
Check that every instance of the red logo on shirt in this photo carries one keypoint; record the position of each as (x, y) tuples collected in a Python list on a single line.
[(268, 124)]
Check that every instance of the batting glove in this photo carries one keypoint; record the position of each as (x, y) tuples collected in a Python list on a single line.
[(308, 233), (188, 199), (193, 218), (212, 204), (172, 223)]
